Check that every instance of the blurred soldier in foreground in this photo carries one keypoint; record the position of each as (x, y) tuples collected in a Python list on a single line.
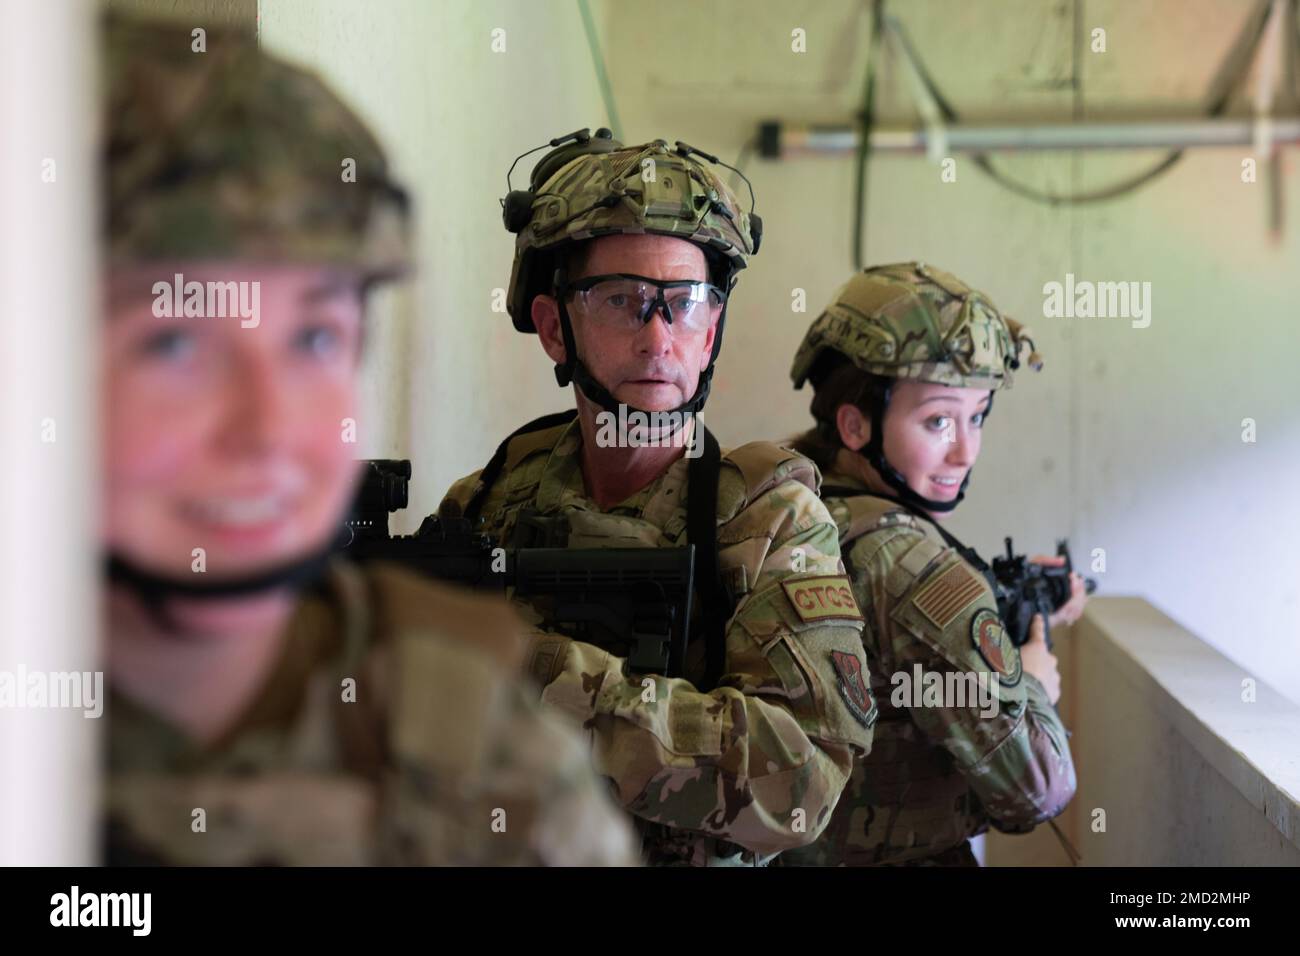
[(269, 704)]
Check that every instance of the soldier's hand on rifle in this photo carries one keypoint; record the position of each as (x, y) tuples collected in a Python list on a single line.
[(1071, 610), (1039, 661)]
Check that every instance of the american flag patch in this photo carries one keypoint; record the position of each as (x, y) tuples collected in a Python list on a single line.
[(947, 595)]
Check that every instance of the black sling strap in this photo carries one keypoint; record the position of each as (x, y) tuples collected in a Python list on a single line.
[(492, 470), (702, 531)]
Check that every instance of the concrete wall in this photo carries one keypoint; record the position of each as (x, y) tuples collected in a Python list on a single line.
[(447, 376), (1180, 762)]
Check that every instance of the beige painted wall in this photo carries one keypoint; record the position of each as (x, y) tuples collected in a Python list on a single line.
[(447, 376), (1178, 764)]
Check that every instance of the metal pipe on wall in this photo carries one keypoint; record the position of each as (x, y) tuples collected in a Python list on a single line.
[(784, 140)]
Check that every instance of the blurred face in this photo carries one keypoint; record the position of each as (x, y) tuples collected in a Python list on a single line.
[(227, 437), (932, 434), (655, 366)]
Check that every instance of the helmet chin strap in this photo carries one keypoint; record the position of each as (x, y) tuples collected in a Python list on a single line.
[(155, 590), (573, 369), (874, 453)]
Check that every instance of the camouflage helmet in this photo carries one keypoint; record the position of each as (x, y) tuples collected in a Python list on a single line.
[(913, 321), (234, 154), (597, 187)]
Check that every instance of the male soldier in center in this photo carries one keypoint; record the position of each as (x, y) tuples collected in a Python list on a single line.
[(624, 261)]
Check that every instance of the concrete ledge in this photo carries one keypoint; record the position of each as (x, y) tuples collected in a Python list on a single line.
[(1255, 746), (1174, 767)]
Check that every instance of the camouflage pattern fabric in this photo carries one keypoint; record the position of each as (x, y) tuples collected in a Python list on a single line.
[(233, 154), (913, 321), (754, 766), (443, 757), (944, 771)]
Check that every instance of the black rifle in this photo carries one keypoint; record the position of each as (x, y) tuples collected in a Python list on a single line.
[(1025, 589), (633, 602)]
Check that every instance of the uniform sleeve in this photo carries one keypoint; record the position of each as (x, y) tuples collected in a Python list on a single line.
[(959, 674), (759, 761), (1041, 746)]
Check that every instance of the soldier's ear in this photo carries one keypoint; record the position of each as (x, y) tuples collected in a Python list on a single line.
[(853, 426), (707, 350), (546, 319)]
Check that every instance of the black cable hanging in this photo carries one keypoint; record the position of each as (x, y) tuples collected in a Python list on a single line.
[(1246, 47), (1243, 54), (1234, 70), (867, 120)]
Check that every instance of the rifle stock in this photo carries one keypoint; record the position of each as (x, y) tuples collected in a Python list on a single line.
[(633, 602)]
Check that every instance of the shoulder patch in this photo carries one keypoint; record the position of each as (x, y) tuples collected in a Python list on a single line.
[(853, 688), (994, 645), (950, 593), (825, 597)]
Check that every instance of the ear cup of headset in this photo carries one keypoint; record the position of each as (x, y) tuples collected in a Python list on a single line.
[(517, 210)]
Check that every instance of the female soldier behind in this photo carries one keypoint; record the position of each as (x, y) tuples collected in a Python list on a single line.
[(904, 363)]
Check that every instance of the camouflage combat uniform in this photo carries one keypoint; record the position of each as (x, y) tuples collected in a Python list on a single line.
[(937, 773), (718, 769), (708, 774), (435, 752)]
